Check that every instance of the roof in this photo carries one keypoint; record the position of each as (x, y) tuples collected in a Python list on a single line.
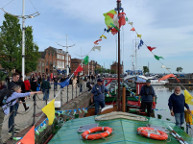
[(124, 132)]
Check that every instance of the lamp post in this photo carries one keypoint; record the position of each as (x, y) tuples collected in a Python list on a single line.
[(23, 16), (67, 46)]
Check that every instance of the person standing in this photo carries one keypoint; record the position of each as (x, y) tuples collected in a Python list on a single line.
[(45, 87), (21, 83), (33, 83), (98, 95), (176, 105), (27, 85), (55, 79), (14, 107), (147, 96)]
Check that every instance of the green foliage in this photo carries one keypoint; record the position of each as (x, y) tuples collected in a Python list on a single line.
[(11, 49), (145, 69), (179, 69), (103, 70), (10, 42)]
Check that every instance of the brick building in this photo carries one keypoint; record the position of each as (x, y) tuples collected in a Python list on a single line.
[(92, 66), (52, 59), (114, 67)]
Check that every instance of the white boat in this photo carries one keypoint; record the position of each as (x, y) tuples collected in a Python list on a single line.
[(142, 78)]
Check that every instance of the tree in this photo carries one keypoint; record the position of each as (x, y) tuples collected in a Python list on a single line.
[(179, 69), (145, 69), (10, 46), (31, 53), (10, 42)]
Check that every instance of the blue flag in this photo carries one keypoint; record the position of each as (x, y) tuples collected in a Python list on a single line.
[(140, 43), (65, 83)]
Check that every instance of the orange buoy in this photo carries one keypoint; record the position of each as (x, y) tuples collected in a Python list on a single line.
[(88, 136), (152, 133)]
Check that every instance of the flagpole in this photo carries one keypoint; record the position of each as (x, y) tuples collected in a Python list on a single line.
[(118, 96)]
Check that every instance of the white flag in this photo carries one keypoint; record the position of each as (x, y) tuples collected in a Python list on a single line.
[(96, 48)]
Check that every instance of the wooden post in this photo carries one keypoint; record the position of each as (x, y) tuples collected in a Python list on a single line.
[(124, 100)]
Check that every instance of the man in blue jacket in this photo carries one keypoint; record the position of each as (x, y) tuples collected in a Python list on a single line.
[(176, 105), (147, 96), (98, 95)]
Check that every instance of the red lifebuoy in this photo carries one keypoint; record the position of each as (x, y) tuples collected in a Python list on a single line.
[(88, 136), (152, 133)]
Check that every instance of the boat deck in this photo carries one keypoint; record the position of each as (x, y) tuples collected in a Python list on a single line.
[(124, 132)]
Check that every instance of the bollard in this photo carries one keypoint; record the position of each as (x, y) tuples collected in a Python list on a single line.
[(159, 116), (124, 100), (61, 97), (67, 94), (72, 91), (34, 114), (76, 90), (13, 126)]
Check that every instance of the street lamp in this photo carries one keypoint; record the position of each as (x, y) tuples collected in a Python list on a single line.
[(23, 16), (67, 46)]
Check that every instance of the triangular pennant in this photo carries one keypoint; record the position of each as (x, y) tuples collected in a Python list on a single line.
[(139, 35), (140, 43), (188, 97), (103, 36), (151, 48), (96, 48), (49, 111), (96, 42), (86, 60), (158, 57), (79, 69), (29, 137), (132, 29), (126, 19), (131, 23)]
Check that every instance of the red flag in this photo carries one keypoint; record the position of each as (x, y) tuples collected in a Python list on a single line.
[(151, 48), (133, 29), (29, 138), (79, 69), (122, 20)]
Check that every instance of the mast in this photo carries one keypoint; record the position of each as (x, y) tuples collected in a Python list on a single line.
[(119, 94), (23, 39)]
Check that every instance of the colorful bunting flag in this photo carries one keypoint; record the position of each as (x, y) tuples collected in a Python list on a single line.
[(96, 48), (96, 42), (122, 20), (49, 111), (140, 43), (109, 17), (65, 83), (103, 36), (132, 29), (109, 29), (188, 97), (86, 60), (29, 138), (126, 19), (139, 35), (163, 66), (151, 48), (115, 27), (79, 69), (131, 23), (100, 39), (158, 57)]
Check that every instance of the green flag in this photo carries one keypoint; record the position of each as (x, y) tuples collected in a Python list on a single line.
[(86, 60), (158, 57)]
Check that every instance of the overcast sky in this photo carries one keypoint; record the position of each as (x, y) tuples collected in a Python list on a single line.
[(165, 24)]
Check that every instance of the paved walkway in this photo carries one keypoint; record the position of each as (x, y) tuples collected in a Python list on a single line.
[(25, 119)]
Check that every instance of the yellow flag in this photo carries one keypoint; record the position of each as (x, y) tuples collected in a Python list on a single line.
[(139, 35), (188, 97), (49, 110), (103, 36)]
